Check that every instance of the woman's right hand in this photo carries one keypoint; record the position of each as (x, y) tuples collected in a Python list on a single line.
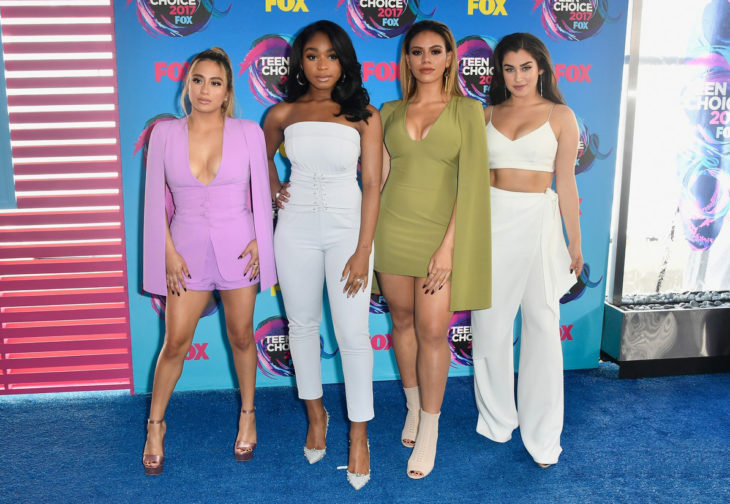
[(282, 196), (176, 271)]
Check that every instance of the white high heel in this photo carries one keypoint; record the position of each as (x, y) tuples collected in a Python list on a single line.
[(314, 455), (359, 480)]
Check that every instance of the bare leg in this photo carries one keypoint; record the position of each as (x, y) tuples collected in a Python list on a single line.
[(238, 307), (398, 291), (432, 322), (181, 316), (359, 460), (432, 325), (316, 433)]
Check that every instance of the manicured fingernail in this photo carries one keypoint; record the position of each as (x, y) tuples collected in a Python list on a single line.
[(432, 291), (185, 289), (441, 287), (189, 275)]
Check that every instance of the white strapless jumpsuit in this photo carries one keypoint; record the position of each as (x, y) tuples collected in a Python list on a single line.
[(316, 234)]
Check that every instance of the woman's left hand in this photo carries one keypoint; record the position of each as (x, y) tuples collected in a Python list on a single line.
[(576, 259), (439, 269), (253, 263), (356, 272)]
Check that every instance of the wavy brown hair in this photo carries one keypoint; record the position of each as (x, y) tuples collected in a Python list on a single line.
[(407, 81), (498, 91)]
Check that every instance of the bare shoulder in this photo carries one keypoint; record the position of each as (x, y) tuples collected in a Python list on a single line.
[(374, 119), (488, 112), (372, 124), (373, 110), (563, 115), (278, 114)]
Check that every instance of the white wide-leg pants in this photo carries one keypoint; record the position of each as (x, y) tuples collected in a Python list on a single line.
[(311, 248), (530, 269)]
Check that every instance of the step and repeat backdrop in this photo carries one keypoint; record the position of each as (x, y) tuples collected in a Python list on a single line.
[(156, 39)]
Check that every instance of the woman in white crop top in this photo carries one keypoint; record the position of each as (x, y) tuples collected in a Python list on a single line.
[(326, 225), (531, 137)]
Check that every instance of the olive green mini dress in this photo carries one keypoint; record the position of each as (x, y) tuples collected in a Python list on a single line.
[(427, 177)]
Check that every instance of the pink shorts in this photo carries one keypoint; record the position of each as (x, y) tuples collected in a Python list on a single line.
[(211, 278)]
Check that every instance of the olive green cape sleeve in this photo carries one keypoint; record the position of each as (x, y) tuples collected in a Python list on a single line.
[(471, 276), (385, 112)]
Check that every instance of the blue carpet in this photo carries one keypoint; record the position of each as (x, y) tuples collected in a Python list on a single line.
[(650, 440)]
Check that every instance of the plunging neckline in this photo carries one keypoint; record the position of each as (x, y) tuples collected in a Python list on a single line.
[(223, 151), (523, 136), (430, 128)]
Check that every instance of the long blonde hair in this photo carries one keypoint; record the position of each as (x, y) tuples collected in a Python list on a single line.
[(217, 55), (408, 83)]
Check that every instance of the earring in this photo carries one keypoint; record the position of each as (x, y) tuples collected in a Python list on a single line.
[(446, 79), (540, 85), (505, 92), (343, 78), (299, 80)]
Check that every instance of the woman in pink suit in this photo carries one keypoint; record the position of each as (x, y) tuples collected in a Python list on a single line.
[(207, 226)]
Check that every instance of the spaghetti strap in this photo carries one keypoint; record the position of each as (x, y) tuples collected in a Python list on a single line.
[(551, 111)]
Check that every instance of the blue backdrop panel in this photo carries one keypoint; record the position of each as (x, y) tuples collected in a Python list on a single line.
[(155, 42)]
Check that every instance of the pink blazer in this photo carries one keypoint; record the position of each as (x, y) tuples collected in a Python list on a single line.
[(230, 211)]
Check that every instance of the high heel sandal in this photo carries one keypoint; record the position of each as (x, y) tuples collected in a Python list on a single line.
[(314, 455), (410, 428), (153, 464), (359, 480), (243, 450), (420, 464)]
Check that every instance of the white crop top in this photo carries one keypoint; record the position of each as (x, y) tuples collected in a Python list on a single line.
[(533, 151)]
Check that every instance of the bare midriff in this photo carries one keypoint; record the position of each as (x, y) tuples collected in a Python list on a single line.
[(519, 180)]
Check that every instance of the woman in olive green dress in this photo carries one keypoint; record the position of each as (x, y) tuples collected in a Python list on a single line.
[(432, 240)]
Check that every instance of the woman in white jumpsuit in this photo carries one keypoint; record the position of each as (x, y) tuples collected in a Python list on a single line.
[(531, 137), (326, 225)]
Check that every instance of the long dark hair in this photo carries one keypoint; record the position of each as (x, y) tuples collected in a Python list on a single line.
[(352, 97), (498, 91)]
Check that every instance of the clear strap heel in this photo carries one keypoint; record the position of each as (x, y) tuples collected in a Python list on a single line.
[(243, 450), (154, 464)]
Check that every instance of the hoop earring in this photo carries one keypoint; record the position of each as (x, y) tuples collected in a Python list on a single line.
[(299, 81), (540, 86), (343, 78)]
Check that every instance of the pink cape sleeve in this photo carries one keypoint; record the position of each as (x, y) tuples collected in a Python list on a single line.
[(156, 199), (261, 202)]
